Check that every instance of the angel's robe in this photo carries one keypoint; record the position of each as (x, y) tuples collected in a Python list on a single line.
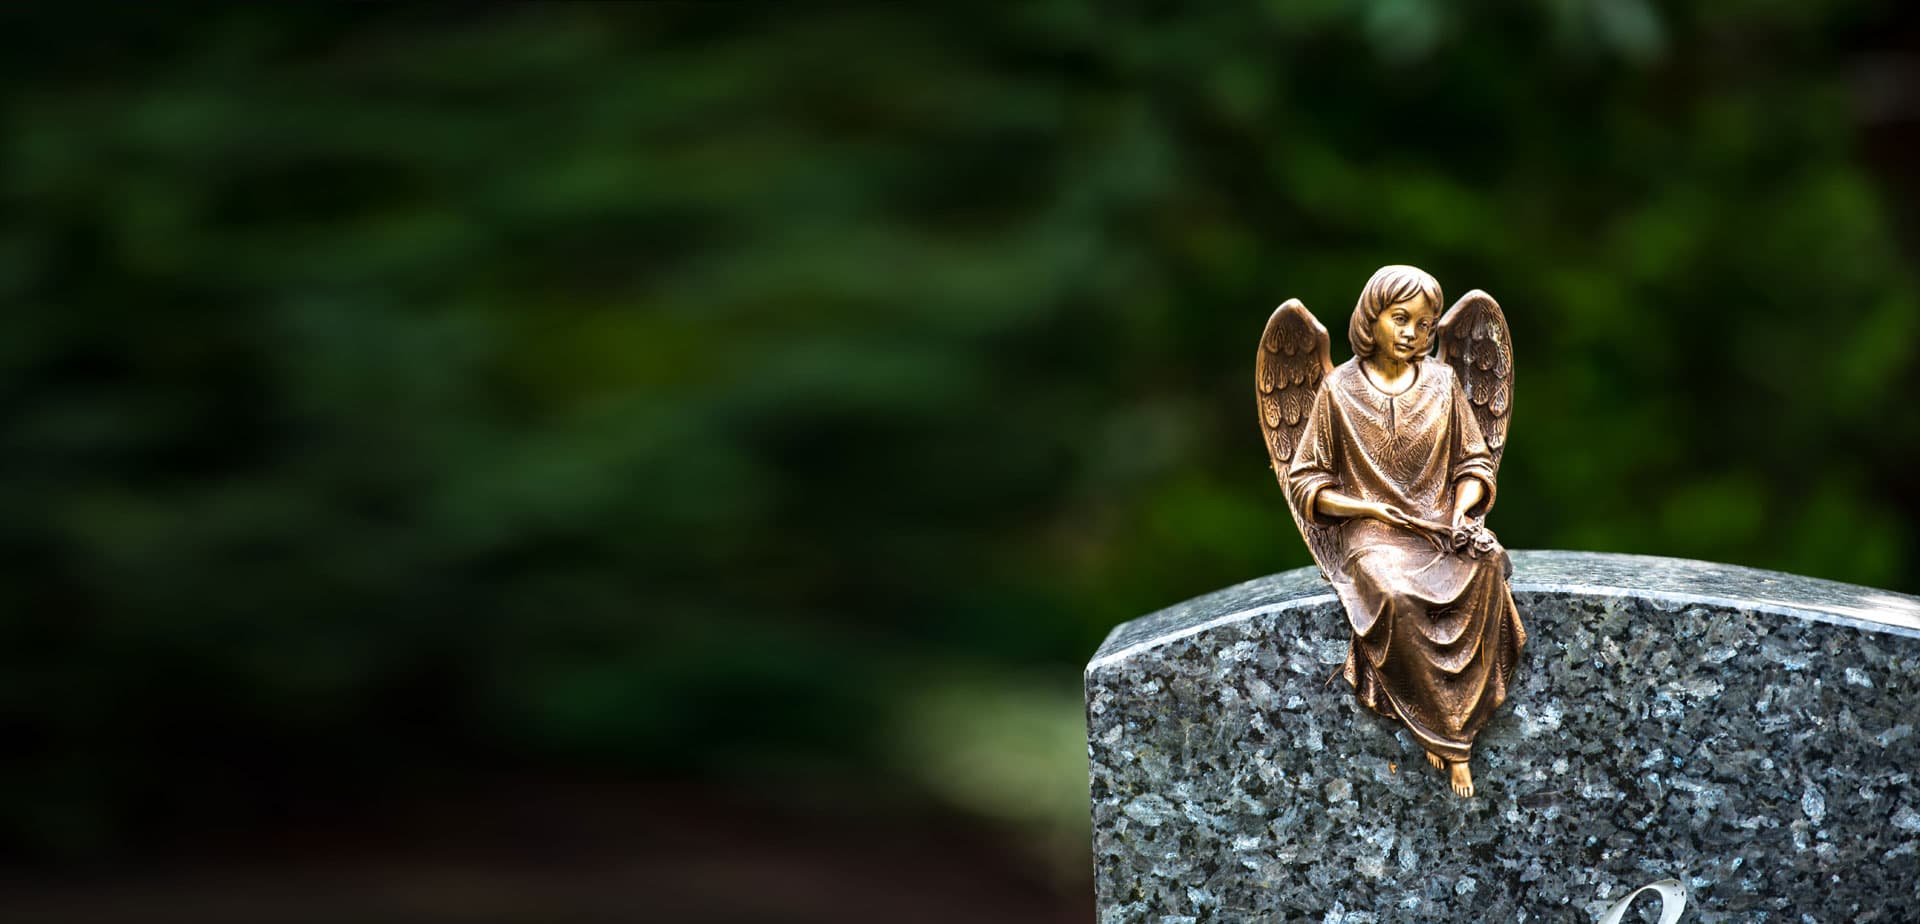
[(1435, 633)]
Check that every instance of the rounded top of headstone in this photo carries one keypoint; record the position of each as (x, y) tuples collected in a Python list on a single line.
[(1674, 581)]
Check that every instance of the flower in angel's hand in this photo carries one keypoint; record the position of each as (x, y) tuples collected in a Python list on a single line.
[(1473, 538)]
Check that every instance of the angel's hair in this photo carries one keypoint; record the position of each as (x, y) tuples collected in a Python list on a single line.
[(1389, 286)]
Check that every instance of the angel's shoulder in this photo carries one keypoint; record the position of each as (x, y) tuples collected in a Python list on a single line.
[(1438, 371), (1346, 388)]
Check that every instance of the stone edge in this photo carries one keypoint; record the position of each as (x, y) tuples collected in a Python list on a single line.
[(1857, 618)]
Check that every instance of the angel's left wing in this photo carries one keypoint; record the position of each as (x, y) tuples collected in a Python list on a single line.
[(1292, 361), (1288, 371), (1474, 340)]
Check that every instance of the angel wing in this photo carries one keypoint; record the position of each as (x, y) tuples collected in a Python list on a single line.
[(1293, 360), (1475, 341)]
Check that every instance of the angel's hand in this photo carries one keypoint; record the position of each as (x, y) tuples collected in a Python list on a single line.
[(1394, 516), (1391, 515), (1466, 535)]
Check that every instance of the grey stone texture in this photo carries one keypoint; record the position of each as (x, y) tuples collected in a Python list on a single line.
[(1749, 733)]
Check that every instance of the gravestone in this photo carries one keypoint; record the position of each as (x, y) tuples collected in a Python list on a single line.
[(1750, 734)]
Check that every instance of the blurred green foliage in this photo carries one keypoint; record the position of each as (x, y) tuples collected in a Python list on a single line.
[(393, 396)]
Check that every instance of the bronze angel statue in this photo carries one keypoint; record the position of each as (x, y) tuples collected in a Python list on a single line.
[(1389, 461)]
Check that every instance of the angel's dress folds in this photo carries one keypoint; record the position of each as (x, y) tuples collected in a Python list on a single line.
[(1435, 634)]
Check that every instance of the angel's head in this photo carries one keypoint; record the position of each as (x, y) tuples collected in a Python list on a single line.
[(1396, 313)]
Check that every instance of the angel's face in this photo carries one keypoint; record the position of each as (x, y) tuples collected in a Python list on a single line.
[(1402, 331)]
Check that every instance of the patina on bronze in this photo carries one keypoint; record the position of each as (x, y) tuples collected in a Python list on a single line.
[(1389, 462)]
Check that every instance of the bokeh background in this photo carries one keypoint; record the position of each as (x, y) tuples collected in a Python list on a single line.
[(632, 463)]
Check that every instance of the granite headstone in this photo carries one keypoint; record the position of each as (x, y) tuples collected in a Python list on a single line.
[(1750, 734)]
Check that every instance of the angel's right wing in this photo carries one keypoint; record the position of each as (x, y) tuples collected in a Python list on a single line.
[(1475, 341), (1294, 358)]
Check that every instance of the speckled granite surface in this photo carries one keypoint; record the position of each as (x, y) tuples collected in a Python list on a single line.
[(1749, 733)]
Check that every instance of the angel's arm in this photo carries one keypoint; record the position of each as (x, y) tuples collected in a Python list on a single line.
[(1313, 479), (1332, 504), (1472, 464), (1311, 474), (1468, 492), (1335, 505)]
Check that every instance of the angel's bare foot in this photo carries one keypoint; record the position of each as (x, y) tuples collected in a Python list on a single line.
[(1438, 762), (1462, 780)]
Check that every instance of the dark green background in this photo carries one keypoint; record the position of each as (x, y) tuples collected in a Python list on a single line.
[(728, 430)]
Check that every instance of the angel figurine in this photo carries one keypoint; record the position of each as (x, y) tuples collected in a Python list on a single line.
[(1388, 461)]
